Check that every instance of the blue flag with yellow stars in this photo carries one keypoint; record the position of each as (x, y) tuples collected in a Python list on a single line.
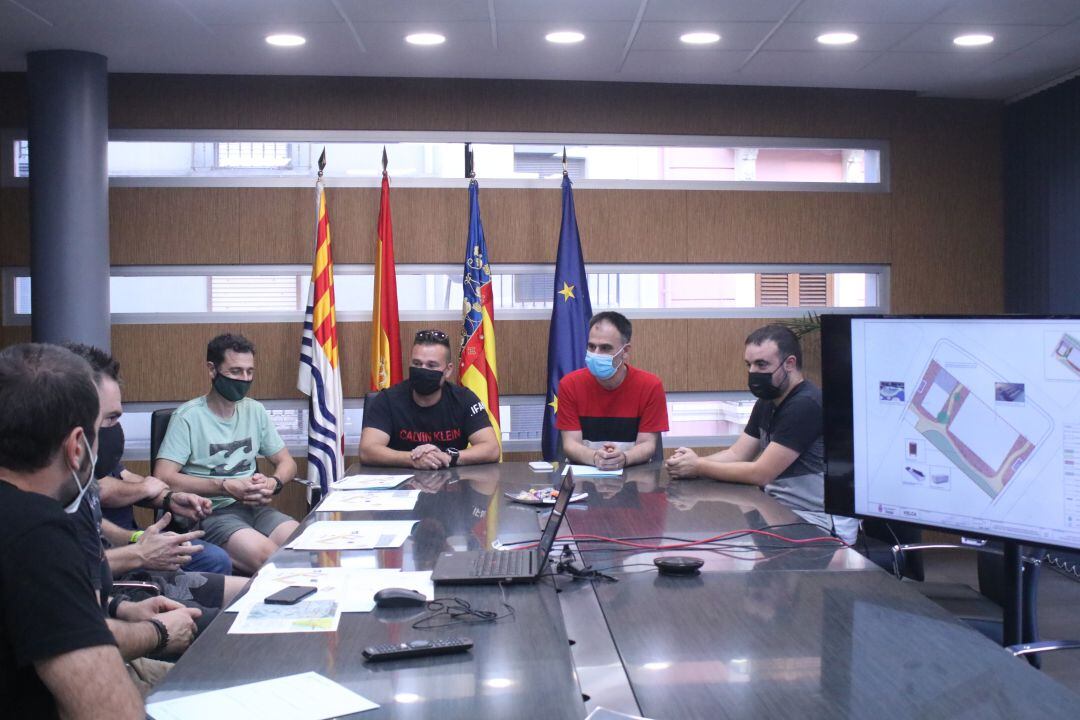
[(569, 331)]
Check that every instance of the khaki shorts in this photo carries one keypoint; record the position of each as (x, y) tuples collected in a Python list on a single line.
[(221, 525)]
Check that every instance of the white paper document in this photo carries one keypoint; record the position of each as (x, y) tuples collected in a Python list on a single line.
[(369, 482), (307, 696), (353, 535), (353, 589), (369, 501), (587, 471), (309, 615)]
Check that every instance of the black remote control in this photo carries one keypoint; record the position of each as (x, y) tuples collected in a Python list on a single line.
[(417, 648)]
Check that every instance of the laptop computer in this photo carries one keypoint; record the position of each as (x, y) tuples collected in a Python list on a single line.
[(495, 566)]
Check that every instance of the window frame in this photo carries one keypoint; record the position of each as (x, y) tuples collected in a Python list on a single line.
[(882, 271), (247, 179)]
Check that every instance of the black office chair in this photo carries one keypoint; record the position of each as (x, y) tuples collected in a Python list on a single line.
[(159, 424), (983, 608)]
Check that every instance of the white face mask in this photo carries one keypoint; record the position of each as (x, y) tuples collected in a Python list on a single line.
[(74, 504)]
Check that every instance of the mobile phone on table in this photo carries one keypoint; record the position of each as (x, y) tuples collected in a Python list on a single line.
[(290, 595)]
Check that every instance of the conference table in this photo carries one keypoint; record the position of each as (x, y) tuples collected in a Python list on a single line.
[(792, 625)]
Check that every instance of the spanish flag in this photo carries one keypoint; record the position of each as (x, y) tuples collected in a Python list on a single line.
[(320, 366), (385, 337), (477, 368)]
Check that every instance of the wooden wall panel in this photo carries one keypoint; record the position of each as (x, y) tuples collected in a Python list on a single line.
[(354, 217), (430, 224), (277, 358), (174, 226), (276, 225), (354, 349), (522, 347), (661, 347), (787, 227), (521, 225), (14, 226), (632, 225), (164, 362)]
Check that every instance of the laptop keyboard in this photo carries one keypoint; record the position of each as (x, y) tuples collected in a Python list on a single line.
[(502, 563)]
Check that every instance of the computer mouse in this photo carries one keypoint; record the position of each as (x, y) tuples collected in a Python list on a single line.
[(399, 598), (678, 565)]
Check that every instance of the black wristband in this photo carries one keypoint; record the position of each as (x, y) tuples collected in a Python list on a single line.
[(166, 502), (280, 485), (114, 604), (163, 636)]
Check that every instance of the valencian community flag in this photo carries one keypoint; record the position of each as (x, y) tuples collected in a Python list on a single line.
[(385, 337), (568, 334), (320, 366), (477, 368)]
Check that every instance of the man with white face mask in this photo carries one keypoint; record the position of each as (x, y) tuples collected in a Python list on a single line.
[(57, 657), (609, 413)]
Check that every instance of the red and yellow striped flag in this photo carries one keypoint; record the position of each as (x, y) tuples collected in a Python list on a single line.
[(320, 367), (385, 336)]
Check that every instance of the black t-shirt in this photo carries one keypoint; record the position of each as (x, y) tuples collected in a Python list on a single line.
[(796, 424), (87, 523), (47, 602), (447, 423)]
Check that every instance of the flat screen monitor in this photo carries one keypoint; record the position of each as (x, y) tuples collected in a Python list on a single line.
[(966, 424)]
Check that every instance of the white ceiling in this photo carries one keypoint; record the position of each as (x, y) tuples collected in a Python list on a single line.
[(903, 45)]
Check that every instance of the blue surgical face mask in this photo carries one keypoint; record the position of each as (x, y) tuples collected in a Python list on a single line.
[(74, 504), (602, 366)]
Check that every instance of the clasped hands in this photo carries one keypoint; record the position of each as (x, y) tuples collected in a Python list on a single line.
[(428, 457), (683, 463), (609, 457), (255, 490)]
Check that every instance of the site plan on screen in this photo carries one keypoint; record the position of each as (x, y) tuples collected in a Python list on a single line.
[(970, 424)]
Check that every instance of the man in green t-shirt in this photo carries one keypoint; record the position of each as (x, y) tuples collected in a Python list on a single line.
[(211, 447)]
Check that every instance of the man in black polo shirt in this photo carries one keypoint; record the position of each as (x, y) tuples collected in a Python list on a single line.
[(426, 422), (782, 449), (57, 657)]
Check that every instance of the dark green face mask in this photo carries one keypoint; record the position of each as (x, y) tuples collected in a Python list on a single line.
[(231, 389)]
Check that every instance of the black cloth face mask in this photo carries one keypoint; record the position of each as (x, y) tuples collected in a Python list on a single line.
[(231, 389), (110, 450), (424, 381), (762, 386)]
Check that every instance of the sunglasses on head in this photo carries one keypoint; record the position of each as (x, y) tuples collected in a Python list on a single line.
[(433, 336)]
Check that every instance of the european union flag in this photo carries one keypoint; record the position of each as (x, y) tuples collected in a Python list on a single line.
[(569, 333)]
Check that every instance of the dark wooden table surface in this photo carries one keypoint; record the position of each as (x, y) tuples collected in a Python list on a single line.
[(765, 631)]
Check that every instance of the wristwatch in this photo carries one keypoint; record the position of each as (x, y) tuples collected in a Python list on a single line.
[(280, 484), (454, 454)]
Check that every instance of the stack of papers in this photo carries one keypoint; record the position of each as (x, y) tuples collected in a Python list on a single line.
[(369, 501), (587, 471), (353, 535), (307, 696), (369, 482)]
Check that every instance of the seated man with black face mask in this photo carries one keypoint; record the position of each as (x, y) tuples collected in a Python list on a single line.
[(782, 449), (426, 422), (211, 447)]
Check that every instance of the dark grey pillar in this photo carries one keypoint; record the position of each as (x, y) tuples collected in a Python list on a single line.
[(69, 197)]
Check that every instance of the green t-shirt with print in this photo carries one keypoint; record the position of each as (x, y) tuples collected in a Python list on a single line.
[(206, 445)]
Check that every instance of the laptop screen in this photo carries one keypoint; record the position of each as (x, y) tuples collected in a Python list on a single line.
[(551, 529)]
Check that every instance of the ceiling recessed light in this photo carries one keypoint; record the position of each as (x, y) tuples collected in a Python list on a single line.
[(286, 40), (425, 38), (837, 38), (973, 40), (564, 37), (700, 38)]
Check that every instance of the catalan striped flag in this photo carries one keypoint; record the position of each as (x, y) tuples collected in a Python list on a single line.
[(477, 369), (385, 336), (320, 365)]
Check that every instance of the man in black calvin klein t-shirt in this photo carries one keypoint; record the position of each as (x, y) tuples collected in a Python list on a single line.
[(426, 422)]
